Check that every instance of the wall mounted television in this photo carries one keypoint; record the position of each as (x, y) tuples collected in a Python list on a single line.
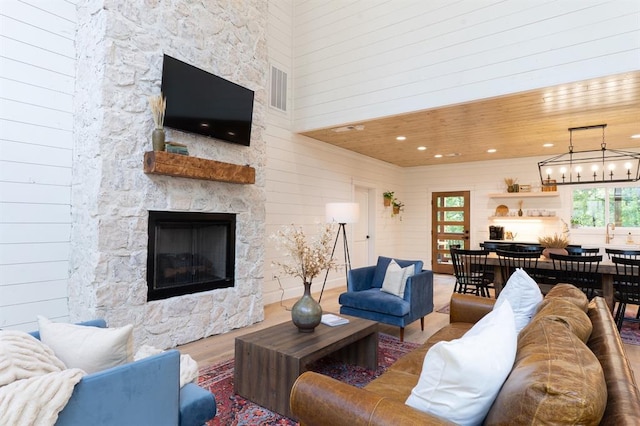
[(203, 103)]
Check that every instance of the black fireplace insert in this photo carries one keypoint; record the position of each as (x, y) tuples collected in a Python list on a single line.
[(189, 253)]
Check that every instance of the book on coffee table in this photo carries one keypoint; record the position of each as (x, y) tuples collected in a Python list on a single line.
[(333, 320)]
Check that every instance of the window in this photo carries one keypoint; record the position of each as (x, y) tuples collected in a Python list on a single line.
[(595, 207)]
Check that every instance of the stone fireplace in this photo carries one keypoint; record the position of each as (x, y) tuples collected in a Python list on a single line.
[(189, 253), (120, 46)]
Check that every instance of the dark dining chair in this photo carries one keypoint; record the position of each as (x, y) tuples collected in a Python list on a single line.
[(527, 260), (626, 287), (581, 251), (579, 270), (473, 275), (627, 254)]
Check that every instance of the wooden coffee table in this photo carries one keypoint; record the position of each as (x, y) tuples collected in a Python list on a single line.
[(268, 362)]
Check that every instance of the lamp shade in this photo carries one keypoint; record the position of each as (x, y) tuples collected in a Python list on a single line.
[(342, 212)]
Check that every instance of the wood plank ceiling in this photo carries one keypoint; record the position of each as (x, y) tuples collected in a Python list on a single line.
[(514, 125)]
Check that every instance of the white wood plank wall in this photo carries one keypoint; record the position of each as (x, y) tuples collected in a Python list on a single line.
[(37, 69), (303, 174), (364, 59)]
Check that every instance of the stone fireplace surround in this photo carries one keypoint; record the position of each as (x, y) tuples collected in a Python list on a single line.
[(119, 60)]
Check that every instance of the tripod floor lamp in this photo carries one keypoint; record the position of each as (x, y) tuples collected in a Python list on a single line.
[(341, 213)]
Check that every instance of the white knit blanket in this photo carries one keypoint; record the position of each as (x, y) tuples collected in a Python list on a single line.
[(38, 400), (34, 385)]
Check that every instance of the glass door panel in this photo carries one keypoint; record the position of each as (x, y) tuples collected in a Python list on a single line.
[(450, 227)]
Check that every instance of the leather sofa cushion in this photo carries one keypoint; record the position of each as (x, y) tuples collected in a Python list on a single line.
[(566, 311), (556, 379), (568, 292)]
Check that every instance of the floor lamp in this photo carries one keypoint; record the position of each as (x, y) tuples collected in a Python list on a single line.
[(341, 213)]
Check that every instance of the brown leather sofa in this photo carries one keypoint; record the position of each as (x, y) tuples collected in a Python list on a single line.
[(547, 384)]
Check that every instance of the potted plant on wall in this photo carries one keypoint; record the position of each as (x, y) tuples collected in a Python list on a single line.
[(388, 198), (398, 206)]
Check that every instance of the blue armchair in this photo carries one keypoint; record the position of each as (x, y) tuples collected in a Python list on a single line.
[(364, 298), (141, 392)]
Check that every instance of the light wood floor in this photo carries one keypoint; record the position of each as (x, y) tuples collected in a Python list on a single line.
[(221, 347)]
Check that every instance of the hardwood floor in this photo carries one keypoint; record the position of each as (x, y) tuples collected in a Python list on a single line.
[(221, 347)]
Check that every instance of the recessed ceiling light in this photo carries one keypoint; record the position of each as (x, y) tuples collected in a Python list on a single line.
[(422, 148), (438, 156), (491, 150), (547, 145), (635, 136), (401, 138)]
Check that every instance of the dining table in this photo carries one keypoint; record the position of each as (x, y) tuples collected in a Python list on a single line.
[(606, 268)]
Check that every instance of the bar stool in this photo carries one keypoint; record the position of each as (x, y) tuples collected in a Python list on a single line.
[(580, 251), (626, 286)]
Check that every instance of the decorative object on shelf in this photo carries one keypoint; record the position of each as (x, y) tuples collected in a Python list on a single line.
[(305, 259), (158, 106), (176, 148), (592, 166), (549, 185), (512, 184), (341, 213), (388, 198), (554, 244), (398, 206), (524, 188), (520, 208), (502, 210)]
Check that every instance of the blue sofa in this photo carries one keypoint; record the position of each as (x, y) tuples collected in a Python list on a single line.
[(364, 298), (145, 392)]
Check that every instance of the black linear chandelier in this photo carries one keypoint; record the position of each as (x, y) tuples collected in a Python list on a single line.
[(594, 166)]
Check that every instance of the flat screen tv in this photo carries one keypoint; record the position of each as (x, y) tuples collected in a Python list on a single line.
[(203, 103)]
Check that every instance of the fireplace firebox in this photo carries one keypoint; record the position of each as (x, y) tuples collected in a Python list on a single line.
[(189, 253)]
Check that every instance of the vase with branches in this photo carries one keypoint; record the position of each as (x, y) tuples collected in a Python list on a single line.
[(158, 105)]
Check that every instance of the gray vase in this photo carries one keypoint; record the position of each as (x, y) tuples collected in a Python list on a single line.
[(157, 139), (306, 312)]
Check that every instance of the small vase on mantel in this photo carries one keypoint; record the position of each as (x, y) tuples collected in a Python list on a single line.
[(157, 138), (306, 312)]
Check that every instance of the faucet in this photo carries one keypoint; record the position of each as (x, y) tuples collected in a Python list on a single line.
[(608, 237)]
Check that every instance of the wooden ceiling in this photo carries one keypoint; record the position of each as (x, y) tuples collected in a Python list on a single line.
[(514, 125)]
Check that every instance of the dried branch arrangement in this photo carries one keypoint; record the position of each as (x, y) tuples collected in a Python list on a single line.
[(158, 106)]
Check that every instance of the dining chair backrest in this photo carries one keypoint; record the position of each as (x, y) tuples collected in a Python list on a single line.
[(511, 260), (581, 271), (628, 254), (626, 284), (581, 251), (471, 271), (528, 247)]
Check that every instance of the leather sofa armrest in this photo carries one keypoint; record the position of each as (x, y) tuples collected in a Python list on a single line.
[(318, 400), (469, 308)]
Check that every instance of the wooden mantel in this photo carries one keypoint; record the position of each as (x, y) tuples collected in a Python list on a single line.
[(164, 163)]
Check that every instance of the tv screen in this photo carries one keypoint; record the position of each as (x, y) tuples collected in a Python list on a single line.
[(203, 103)]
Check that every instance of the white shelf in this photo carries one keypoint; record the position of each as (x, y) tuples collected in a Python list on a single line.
[(524, 218), (524, 194)]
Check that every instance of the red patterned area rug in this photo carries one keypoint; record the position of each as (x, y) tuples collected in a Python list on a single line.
[(630, 332), (235, 410)]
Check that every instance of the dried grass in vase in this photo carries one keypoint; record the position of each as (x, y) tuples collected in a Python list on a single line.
[(158, 106)]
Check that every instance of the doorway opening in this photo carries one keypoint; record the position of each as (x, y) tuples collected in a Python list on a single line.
[(450, 223)]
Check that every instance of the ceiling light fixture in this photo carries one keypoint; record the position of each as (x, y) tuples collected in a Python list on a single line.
[(637, 136), (401, 138), (547, 145), (422, 148), (438, 156), (491, 150), (592, 166)]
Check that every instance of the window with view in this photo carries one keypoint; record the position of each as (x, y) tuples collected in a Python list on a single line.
[(595, 207)]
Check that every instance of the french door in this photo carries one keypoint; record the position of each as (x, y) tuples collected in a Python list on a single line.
[(450, 224)]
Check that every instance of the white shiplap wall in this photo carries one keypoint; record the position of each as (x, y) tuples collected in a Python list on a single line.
[(363, 59), (303, 174), (37, 69)]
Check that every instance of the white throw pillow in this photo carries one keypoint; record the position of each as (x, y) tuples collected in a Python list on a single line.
[(88, 348), (461, 378), (22, 356), (523, 294), (395, 278)]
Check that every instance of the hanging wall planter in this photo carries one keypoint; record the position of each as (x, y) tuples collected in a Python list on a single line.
[(388, 198)]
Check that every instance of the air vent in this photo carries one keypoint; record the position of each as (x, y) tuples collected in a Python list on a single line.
[(278, 89)]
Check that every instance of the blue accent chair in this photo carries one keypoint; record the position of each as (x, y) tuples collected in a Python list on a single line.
[(144, 392), (364, 298)]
